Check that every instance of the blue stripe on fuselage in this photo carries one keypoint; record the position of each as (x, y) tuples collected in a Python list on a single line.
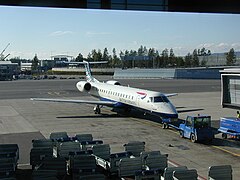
[(118, 104), (122, 105)]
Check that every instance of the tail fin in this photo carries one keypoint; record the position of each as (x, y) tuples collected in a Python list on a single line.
[(89, 76)]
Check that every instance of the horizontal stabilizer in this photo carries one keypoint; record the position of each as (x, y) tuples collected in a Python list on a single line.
[(86, 62), (106, 103), (170, 95)]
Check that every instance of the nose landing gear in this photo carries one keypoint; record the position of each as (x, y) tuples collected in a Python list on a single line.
[(97, 109)]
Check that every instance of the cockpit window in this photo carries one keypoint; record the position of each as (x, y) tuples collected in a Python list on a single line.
[(160, 99)]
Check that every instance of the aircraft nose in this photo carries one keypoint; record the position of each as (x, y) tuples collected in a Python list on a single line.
[(169, 110)]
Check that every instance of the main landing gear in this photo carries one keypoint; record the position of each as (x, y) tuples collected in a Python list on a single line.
[(97, 109)]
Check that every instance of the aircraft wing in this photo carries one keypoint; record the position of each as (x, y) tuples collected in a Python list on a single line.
[(106, 103), (170, 95)]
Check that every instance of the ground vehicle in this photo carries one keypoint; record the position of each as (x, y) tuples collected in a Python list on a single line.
[(230, 126), (195, 128)]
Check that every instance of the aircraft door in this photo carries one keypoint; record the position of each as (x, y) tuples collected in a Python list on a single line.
[(152, 106), (138, 100)]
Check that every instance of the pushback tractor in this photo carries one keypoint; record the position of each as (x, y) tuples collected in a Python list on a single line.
[(195, 128)]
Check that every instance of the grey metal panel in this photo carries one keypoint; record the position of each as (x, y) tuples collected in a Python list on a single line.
[(43, 143), (38, 154), (66, 147), (135, 147), (147, 174), (9, 150), (44, 175), (168, 172), (7, 167), (84, 137), (102, 151), (185, 174), (58, 135), (144, 154), (223, 172), (114, 160), (156, 161), (92, 177), (59, 164), (83, 162), (9, 155), (128, 166)]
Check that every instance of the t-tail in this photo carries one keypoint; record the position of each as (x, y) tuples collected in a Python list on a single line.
[(89, 76), (88, 72)]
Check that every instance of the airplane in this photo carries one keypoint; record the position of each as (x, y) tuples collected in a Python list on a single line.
[(112, 94)]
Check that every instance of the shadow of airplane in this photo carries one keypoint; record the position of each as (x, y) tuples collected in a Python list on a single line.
[(134, 113), (180, 107), (93, 116), (189, 110)]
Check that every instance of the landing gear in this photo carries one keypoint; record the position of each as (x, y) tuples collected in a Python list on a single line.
[(224, 135), (97, 109), (165, 126)]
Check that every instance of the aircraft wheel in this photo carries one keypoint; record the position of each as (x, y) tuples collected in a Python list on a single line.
[(224, 135), (193, 138), (181, 134), (97, 110), (165, 126)]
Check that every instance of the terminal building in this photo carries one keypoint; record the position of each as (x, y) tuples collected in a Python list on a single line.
[(8, 70)]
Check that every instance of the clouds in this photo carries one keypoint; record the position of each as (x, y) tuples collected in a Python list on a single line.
[(60, 33), (93, 33), (220, 47)]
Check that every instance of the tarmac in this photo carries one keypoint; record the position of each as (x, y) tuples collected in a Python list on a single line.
[(22, 120)]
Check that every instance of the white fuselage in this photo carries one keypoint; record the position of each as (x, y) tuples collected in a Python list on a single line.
[(150, 101)]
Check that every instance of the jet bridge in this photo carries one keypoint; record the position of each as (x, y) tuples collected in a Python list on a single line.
[(230, 88)]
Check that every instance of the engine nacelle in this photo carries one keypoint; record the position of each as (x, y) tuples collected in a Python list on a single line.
[(84, 86), (113, 82)]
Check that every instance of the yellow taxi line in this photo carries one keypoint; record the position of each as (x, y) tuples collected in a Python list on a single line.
[(227, 151)]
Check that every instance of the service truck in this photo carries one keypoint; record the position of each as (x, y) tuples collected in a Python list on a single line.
[(195, 128), (230, 126)]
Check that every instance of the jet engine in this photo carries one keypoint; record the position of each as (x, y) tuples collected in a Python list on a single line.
[(84, 86), (113, 82)]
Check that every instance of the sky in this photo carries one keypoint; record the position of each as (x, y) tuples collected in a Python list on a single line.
[(54, 31)]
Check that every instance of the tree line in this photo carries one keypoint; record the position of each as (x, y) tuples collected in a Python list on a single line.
[(143, 57)]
